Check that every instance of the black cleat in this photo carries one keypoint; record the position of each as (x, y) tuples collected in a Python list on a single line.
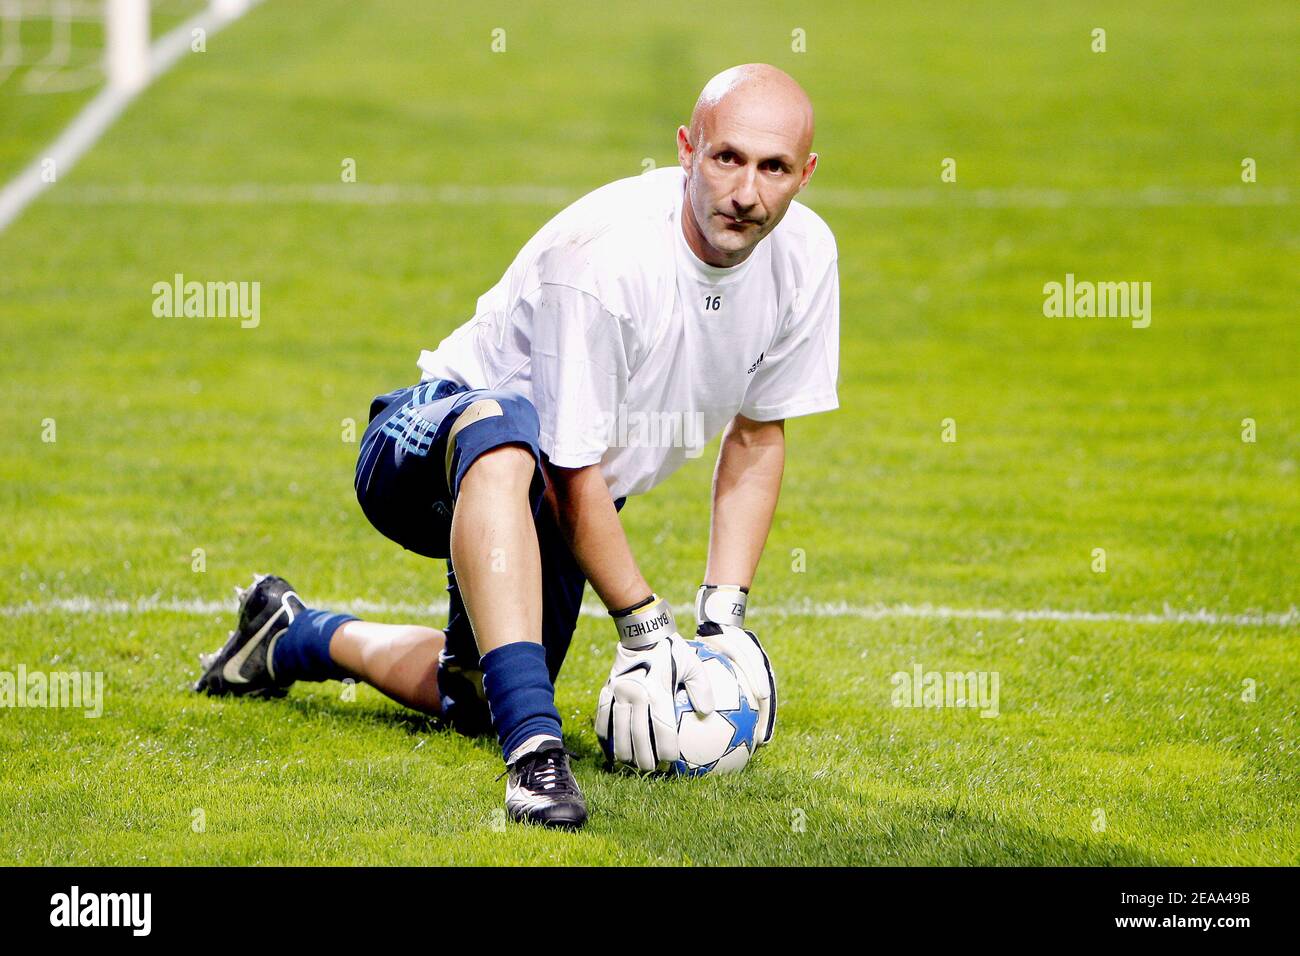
[(243, 666), (541, 788)]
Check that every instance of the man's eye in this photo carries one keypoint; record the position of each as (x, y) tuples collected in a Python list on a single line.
[(726, 157)]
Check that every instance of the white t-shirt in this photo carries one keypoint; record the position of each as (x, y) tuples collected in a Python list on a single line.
[(635, 353)]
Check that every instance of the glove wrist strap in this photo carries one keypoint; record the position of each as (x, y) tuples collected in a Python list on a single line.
[(721, 604), (644, 625)]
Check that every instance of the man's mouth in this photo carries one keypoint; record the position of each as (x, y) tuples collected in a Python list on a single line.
[(736, 221)]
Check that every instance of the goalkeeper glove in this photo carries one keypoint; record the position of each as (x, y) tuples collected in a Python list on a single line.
[(720, 618), (636, 715)]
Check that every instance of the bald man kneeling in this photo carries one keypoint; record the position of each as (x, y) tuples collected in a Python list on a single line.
[(648, 317)]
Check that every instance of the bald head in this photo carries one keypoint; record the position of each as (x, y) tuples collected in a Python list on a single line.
[(759, 94), (747, 153)]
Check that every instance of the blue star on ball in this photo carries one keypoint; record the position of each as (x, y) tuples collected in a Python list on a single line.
[(744, 721)]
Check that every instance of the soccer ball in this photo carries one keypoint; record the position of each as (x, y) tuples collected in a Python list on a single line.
[(723, 741)]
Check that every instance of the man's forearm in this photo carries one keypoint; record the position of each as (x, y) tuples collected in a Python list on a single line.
[(746, 485), (585, 512)]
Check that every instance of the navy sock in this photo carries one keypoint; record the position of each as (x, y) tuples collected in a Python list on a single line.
[(520, 694), (303, 651)]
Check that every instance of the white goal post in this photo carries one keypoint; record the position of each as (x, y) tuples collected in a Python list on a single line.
[(126, 44), (127, 38)]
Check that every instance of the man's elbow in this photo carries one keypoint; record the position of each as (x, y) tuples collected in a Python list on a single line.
[(751, 434)]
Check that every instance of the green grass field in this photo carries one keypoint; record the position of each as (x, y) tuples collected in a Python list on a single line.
[(1119, 740)]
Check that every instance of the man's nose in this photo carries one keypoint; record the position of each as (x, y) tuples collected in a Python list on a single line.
[(745, 196)]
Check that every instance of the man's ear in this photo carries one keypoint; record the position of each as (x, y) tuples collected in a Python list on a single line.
[(685, 151), (809, 168)]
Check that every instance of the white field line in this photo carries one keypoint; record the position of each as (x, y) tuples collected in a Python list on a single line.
[(410, 194), (100, 113), (870, 612)]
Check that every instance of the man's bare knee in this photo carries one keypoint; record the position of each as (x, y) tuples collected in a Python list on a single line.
[(508, 466)]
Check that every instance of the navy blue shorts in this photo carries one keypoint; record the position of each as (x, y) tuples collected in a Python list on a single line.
[(414, 453)]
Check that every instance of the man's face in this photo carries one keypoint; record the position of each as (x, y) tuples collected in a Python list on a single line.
[(741, 176)]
